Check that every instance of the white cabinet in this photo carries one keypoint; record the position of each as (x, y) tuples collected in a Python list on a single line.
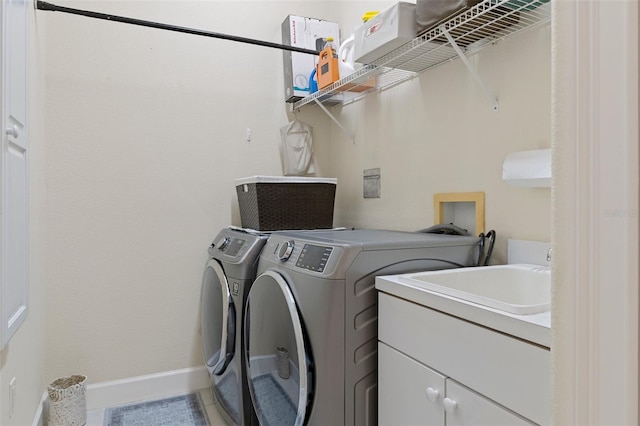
[(434, 368), (14, 155), (411, 393)]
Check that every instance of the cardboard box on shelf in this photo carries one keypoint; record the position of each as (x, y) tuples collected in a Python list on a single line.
[(307, 33)]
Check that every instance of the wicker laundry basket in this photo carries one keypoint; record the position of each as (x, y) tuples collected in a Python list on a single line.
[(67, 401), (274, 203)]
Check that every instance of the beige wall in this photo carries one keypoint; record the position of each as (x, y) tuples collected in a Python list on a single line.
[(438, 133), (24, 356), (145, 134)]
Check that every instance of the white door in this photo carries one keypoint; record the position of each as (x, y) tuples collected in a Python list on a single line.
[(15, 189)]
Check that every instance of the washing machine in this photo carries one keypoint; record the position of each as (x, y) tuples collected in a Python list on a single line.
[(229, 272), (311, 319)]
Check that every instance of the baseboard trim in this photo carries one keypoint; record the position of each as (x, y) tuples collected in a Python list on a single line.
[(39, 418), (133, 389), (151, 386)]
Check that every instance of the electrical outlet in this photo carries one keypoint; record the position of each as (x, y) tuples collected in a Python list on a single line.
[(12, 397)]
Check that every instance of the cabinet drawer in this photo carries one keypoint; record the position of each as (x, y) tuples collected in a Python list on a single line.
[(512, 372)]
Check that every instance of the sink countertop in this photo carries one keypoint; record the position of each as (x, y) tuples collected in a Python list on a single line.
[(535, 328)]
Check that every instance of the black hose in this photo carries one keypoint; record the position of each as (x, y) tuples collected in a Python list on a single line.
[(491, 235), (481, 248)]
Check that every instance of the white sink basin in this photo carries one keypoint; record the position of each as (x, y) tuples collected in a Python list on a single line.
[(518, 289)]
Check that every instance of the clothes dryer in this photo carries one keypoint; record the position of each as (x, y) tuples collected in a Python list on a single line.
[(311, 319), (229, 272)]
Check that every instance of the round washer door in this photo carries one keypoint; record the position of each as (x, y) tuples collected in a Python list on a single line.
[(217, 318), (277, 353)]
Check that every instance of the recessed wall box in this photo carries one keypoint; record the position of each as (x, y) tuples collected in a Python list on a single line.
[(371, 183), (465, 209)]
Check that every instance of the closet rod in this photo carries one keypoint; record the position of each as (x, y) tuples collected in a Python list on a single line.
[(43, 5)]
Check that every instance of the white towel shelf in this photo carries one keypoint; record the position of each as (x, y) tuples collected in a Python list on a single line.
[(466, 33)]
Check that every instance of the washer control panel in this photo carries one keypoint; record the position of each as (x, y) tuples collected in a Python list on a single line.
[(233, 247), (313, 257)]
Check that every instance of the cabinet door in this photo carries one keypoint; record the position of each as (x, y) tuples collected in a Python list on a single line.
[(466, 407), (15, 190), (408, 392)]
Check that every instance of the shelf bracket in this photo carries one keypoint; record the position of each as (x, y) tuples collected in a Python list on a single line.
[(492, 99), (335, 120)]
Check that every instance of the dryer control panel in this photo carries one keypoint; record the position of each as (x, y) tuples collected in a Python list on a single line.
[(313, 257), (306, 255)]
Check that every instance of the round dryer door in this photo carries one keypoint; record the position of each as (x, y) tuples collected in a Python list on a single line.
[(218, 319), (278, 363)]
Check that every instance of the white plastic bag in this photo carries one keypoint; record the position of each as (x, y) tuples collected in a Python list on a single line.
[(297, 149)]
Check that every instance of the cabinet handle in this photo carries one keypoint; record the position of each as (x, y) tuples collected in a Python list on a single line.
[(12, 131), (449, 405), (432, 394)]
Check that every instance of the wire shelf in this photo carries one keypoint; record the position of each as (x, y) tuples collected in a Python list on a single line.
[(482, 25)]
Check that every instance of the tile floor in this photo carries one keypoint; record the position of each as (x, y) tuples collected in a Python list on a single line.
[(96, 417)]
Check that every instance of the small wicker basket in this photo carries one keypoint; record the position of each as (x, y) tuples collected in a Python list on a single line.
[(67, 401)]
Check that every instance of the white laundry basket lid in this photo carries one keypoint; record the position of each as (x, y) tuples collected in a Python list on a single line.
[(283, 179)]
